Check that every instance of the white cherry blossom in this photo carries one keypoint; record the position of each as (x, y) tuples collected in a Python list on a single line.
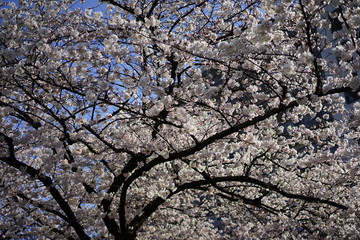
[(186, 119)]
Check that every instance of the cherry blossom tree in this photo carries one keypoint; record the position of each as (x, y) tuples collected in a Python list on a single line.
[(187, 119)]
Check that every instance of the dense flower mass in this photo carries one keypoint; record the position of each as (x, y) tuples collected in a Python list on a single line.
[(189, 119)]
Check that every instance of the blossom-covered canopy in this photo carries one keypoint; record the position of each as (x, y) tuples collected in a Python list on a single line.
[(187, 119)]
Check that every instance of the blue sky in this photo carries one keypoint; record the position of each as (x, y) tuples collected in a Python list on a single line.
[(85, 5)]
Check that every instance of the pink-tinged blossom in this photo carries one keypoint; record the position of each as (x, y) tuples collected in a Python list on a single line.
[(183, 119)]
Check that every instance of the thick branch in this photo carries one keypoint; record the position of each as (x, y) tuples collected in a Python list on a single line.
[(268, 186), (64, 206), (153, 6), (154, 204), (201, 145)]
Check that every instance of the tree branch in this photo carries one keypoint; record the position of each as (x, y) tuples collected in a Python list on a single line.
[(268, 186), (64, 206)]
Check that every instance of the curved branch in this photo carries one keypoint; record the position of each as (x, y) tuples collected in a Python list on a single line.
[(152, 8), (268, 186), (201, 145), (64, 206), (151, 207)]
